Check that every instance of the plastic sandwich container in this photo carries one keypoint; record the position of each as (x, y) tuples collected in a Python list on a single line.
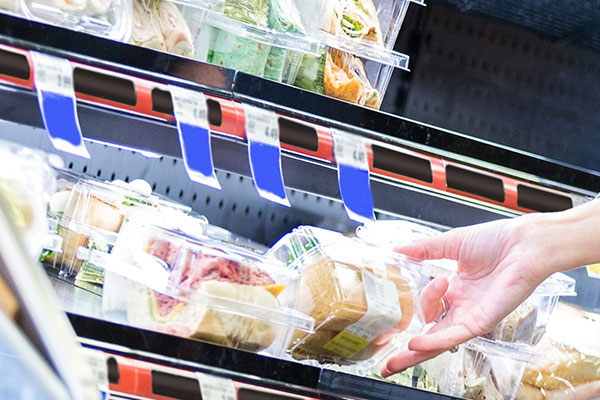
[(359, 296), (196, 287)]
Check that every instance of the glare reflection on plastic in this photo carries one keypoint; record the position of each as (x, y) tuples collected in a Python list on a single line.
[(53, 79), (264, 153), (353, 176), (191, 115)]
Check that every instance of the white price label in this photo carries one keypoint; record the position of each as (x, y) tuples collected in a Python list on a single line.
[(53, 74), (95, 362), (189, 106), (216, 388), (261, 125), (383, 308), (350, 149)]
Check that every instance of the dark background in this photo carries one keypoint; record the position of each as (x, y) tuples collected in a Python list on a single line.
[(521, 73)]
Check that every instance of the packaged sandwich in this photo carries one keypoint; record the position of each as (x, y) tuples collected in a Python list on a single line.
[(567, 361), (108, 18), (90, 214), (195, 287), (359, 295), (354, 19), (159, 25)]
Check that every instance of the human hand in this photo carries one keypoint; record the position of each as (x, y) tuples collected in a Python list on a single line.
[(499, 266)]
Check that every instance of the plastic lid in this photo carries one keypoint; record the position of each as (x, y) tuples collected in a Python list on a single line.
[(369, 51), (557, 284), (177, 265), (270, 37)]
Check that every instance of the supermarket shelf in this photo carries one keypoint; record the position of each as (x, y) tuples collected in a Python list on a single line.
[(138, 98), (230, 154), (138, 352)]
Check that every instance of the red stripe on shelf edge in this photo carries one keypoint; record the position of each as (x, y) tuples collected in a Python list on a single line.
[(28, 83)]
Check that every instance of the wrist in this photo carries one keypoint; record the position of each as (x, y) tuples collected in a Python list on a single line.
[(571, 238)]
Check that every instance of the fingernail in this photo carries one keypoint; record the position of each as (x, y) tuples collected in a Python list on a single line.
[(385, 372)]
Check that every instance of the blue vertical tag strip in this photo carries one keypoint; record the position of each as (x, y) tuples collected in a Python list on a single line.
[(264, 153), (53, 79), (355, 190), (265, 164), (353, 176), (191, 115)]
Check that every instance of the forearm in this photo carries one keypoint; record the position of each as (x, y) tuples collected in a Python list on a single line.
[(567, 239)]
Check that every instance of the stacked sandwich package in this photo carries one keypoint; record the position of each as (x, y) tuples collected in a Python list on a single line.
[(359, 296)]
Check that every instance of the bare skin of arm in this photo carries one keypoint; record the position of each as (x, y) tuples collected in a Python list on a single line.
[(500, 264)]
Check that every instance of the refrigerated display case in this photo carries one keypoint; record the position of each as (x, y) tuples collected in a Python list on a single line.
[(127, 115)]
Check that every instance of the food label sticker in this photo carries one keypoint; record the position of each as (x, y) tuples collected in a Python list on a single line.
[(353, 175), (53, 78), (264, 152), (96, 362), (191, 116), (383, 314), (216, 388), (593, 271)]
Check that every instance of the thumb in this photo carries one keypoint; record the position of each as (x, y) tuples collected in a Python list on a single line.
[(445, 245)]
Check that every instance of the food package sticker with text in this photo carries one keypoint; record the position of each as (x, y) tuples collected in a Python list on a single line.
[(264, 153), (53, 78), (191, 115), (383, 314), (353, 175)]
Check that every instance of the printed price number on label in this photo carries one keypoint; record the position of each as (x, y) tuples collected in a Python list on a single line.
[(189, 106), (216, 388), (350, 149), (96, 363), (261, 125)]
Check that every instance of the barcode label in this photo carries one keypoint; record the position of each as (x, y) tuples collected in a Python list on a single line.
[(350, 149), (216, 388), (261, 125), (189, 106)]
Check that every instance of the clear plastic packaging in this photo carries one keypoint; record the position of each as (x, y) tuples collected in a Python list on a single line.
[(13, 7), (199, 288), (160, 25), (526, 324), (224, 236), (27, 181), (89, 213), (108, 18), (358, 295), (567, 360)]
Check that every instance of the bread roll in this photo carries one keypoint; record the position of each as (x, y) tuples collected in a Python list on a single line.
[(561, 368)]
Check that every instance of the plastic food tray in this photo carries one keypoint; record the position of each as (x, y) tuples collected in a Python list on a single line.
[(200, 288)]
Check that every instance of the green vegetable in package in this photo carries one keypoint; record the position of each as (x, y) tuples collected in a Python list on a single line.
[(233, 51), (311, 74), (283, 17), (254, 12)]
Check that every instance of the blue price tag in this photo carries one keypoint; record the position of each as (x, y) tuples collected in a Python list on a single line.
[(353, 176), (191, 115), (264, 152), (53, 78)]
